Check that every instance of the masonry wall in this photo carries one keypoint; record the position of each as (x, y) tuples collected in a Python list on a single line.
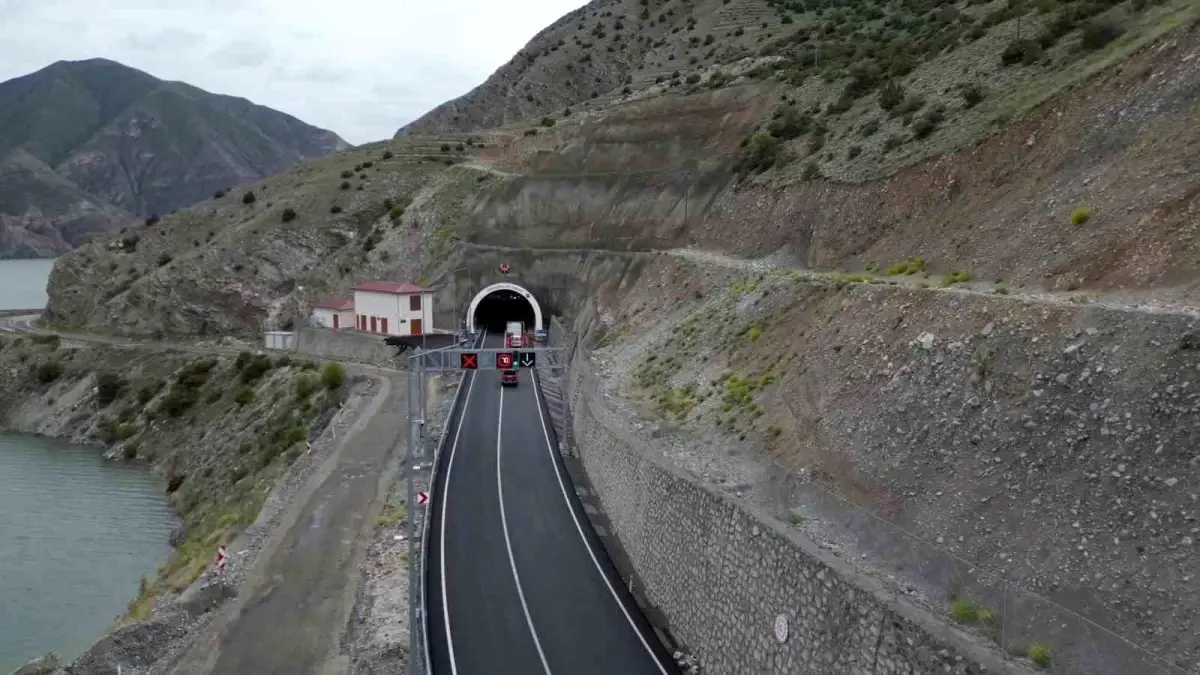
[(721, 573), (344, 345)]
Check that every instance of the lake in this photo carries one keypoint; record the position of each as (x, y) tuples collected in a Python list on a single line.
[(77, 534), (23, 283)]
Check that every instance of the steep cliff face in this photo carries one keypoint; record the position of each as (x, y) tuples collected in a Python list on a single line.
[(85, 146)]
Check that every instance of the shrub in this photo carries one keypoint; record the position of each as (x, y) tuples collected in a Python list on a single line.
[(388, 154), (253, 368), (853, 152), (332, 375), (218, 194), (1081, 215), (972, 94), (923, 128), (108, 388), (347, 173), (891, 94), (1023, 51), (345, 185), (869, 128), (1039, 653), (243, 396), (445, 147), (368, 164), (164, 259), (396, 213), (787, 123), (49, 371), (335, 209), (692, 78), (811, 171), (125, 431), (289, 215), (305, 386), (152, 220), (249, 198), (1099, 32), (761, 152), (178, 401)]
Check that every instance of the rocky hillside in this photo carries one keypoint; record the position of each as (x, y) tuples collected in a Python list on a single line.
[(220, 430), (88, 145), (1059, 197)]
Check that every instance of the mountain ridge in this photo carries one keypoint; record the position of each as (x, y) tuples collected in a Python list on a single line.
[(126, 144)]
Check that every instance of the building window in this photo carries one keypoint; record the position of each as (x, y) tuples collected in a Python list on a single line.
[(414, 303)]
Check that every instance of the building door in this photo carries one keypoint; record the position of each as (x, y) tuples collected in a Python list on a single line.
[(416, 327), (335, 322), (383, 325), (374, 325)]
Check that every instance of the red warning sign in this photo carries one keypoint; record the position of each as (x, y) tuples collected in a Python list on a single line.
[(468, 360), (504, 360), (422, 497)]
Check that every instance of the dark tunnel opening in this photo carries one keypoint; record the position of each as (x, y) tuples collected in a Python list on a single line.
[(499, 307)]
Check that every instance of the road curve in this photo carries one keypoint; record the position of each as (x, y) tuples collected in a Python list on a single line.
[(518, 582)]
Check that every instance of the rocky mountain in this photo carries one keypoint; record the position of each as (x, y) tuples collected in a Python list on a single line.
[(90, 145), (964, 235)]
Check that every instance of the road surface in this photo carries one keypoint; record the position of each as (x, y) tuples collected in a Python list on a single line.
[(518, 581)]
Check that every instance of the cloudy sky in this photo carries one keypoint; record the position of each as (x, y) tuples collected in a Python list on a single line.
[(362, 68)]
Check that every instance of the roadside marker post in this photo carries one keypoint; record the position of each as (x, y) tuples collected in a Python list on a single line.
[(221, 558), (420, 363)]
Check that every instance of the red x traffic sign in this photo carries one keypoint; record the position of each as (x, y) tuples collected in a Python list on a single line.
[(468, 360), (422, 497), (504, 360)]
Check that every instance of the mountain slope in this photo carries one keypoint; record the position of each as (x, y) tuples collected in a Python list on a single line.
[(44, 213), (140, 144)]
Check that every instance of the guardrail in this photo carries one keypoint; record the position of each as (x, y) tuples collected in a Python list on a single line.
[(455, 409)]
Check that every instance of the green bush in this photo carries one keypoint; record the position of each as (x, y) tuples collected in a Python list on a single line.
[(1081, 215), (243, 396), (388, 154), (1099, 32), (108, 388), (1039, 653), (972, 94), (249, 198), (345, 185), (335, 209), (49, 371), (289, 215), (305, 386), (347, 173), (332, 375), (396, 213), (125, 431)]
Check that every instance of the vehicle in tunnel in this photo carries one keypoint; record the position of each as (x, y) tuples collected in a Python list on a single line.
[(513, 334), (509, 378), (500, 308)]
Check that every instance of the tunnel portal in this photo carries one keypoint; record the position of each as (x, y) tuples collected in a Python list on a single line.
[(496, 305)]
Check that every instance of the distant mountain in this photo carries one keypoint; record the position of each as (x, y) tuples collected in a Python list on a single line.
[(86, 146)]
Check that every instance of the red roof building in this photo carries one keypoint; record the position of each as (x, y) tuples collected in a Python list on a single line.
[(393, 308)]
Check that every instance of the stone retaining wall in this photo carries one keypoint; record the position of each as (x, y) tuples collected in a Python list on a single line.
[(346, 345), (722, 573)]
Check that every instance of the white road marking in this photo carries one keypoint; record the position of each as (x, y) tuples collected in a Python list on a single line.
[(462, 415), (508, 542), (579, 528)]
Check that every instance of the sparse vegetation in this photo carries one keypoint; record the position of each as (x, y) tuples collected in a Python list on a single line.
[(963, 611), (49, 371), (1039, 653), (1081, 215), (249, 198), (332, 375), (289, 214)]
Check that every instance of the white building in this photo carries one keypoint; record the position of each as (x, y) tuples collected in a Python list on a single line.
[(335, 313), (393, 308)]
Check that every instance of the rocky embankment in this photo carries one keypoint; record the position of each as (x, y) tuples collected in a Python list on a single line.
[(222, 430), (1027, 461)]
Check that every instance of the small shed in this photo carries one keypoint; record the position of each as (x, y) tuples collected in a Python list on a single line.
[(278, 339), (393, 308), (335, 313)]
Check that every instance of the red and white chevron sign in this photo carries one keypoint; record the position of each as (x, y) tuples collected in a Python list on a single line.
[(422, 498), (221, 557)]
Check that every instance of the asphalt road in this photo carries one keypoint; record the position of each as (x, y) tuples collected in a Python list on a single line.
[(518, 581)]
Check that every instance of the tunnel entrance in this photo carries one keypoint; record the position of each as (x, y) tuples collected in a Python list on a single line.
[(496, 305)]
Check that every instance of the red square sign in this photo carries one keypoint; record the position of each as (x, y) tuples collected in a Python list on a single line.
[(504, 360)]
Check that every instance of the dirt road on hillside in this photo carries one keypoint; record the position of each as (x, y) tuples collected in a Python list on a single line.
[(295, 605)]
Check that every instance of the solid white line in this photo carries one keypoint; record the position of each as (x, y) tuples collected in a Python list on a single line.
[(462, 415), (508, 542), (579, 528)]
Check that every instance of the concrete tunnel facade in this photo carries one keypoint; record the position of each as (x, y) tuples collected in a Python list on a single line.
[(538, 319)]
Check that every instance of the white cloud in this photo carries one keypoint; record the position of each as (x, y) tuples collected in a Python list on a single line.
[(362, 68)]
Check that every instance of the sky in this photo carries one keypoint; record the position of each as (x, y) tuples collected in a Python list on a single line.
[(361, 72)]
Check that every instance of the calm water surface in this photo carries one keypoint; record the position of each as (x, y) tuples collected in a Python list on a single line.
[(77, 533), (23, 283)]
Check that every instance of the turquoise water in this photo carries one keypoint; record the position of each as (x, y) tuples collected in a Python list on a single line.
[(23, 283), (77, 533)]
